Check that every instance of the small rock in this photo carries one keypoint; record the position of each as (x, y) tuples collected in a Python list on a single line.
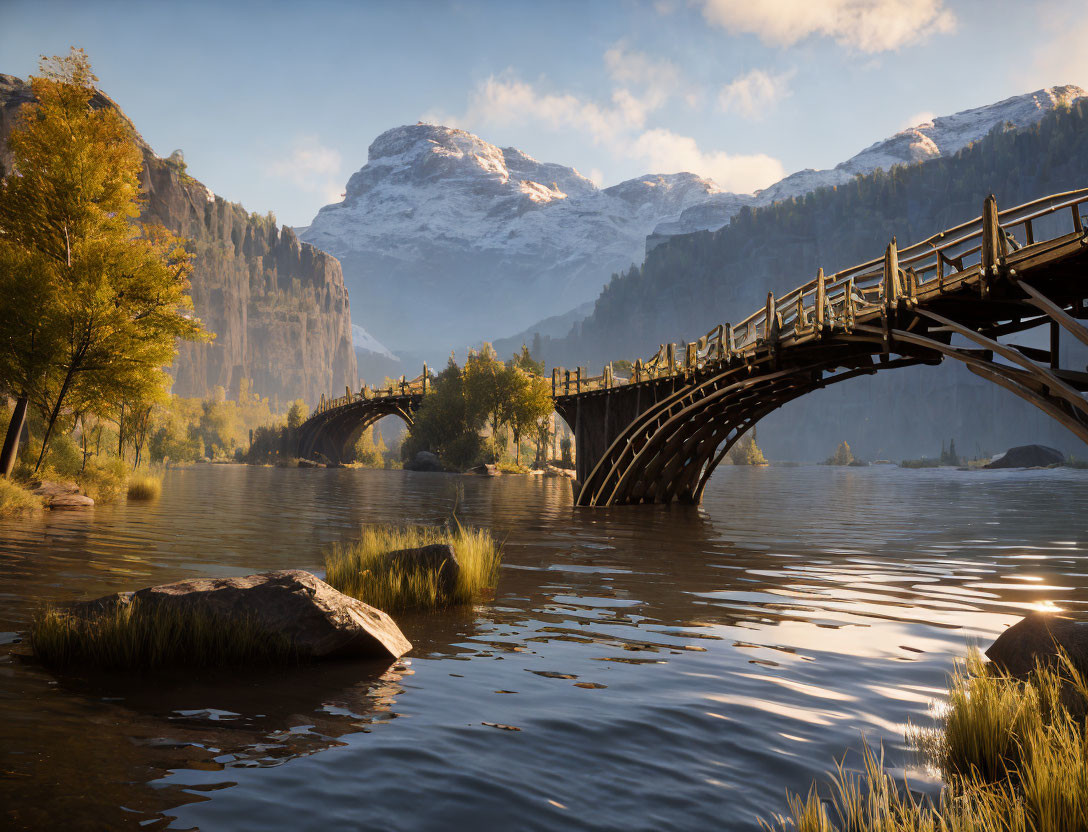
[(309, 463), (425, 461), (486, 470), (1029, 456), (70, 501), (439, 556), (1038, 637), (320, 621)]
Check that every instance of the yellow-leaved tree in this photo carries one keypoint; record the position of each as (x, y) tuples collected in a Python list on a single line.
[(92, 303)]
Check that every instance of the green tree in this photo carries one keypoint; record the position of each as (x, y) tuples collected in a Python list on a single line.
[(368, 451), (114, 294), (842, 456), (524, 361), (489, 387), (297, 413), (532, 405), (445, 424)]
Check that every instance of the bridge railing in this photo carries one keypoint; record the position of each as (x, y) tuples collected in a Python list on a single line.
[(939, 262), (420, 385)]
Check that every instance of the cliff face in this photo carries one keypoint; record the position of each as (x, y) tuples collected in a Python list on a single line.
[(278, 306)]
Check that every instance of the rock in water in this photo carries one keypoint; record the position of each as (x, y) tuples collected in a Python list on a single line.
[(1029, 456), (320, 621), (437, 556), (1038, 637), (425, 461), (71, 501)]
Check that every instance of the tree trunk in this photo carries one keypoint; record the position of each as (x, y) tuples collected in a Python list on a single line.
[(11, 441), (53, 417), (121, 433)]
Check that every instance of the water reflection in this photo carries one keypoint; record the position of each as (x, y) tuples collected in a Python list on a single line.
[(667, 668)]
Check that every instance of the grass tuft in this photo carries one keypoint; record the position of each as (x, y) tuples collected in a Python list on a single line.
[(15, 500), (126, 637), (359, 569), (1014, 755), (145, 487)]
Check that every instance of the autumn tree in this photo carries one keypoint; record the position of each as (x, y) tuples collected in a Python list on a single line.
[(531, 407), (111, 295), (489, 387)]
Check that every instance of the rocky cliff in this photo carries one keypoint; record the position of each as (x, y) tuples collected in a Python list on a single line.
[(278, 306)]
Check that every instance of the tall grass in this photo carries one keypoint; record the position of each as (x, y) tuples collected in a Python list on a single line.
[(360, 569), (127, 637), (14, 499), (1014, 755), (145, 487)]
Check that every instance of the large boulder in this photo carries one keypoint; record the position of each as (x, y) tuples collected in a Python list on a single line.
[(320, 621), (60, 494), (436, 556), (425, 461), (1029, 456), (64, 501), (1038, 637)]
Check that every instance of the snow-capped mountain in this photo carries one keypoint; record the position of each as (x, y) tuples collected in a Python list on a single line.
[(942, 136), (446, 239), (450, 239)]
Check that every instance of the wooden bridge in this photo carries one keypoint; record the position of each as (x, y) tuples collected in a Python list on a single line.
[(658, 434)]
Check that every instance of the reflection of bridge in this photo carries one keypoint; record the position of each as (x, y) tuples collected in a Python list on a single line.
[(659, 434)]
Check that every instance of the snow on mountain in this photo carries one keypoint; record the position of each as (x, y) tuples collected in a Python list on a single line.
[(445, 238), (943, 136), (363, 340)]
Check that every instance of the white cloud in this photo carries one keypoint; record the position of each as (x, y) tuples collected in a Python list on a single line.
[(863, 25), (918, 119), (312, 167), (755, 92), (668, 152)]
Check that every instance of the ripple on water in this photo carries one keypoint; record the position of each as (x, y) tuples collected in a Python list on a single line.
[(664, 668)]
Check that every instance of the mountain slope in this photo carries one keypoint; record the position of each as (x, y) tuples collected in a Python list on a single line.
[(278, 306)]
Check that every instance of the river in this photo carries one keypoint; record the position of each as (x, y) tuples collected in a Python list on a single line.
[(667, 668)]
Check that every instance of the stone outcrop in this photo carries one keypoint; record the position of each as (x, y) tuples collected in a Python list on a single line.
[(1029, 456), (62, 495), (1038, 638), (278, 306), (318, 620), (438, 557), (425, 461)]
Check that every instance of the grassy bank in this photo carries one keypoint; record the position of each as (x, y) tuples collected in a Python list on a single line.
[(16, 500), (126, 637), (1014, 757), (360, 569)]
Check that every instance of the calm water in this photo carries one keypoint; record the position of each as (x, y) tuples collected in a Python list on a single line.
[(667, 668)]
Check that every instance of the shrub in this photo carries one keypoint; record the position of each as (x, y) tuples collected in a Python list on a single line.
[(14, 499), (1014, 755), (103, 480), (360, 569), (126, 637), (145, 487)]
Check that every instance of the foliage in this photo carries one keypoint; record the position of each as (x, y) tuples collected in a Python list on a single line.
[(297, 413), (91, 303), (842, 456), (15, 499), (127, 637), (949, 455), (1014, 755), (746, 451), (524, 361), (103, 478), (360, 569), (489, 388), (444, 424), (368, 451), (145, 487)]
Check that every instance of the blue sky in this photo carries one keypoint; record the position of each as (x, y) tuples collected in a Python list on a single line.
[(274, 104)]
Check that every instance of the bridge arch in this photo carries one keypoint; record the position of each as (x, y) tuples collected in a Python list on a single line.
[(326, 433)]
